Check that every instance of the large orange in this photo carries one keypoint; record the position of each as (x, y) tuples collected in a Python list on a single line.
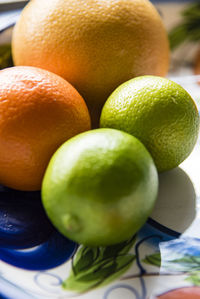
[(38, 112), (95, 45)]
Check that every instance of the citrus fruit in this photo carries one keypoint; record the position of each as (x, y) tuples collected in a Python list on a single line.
[(160, 113), (189, 292), (95, 45), (100, 187), (38, 112)]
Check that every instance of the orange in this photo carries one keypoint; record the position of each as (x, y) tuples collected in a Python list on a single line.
[(38, 112), (95, 45)]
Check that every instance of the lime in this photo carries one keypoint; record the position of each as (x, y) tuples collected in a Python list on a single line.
[(160, 113), (99, 187)]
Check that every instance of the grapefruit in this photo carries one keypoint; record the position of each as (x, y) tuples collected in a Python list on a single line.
[(95, 45)]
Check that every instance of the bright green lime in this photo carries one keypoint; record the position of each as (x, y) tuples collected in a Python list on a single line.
[(100, 187), (160, 113)]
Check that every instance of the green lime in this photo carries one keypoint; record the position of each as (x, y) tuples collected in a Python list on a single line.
[(99, 187), (160, 113)]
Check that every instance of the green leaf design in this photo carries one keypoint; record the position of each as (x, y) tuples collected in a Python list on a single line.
[(84, 259), (93, 267), (194, 278), (121, 248), (5, 56), (188, 263), (153, 259), (184, 264), (99, 274)]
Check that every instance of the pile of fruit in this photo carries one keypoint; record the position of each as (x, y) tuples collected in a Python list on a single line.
[(87, 116)]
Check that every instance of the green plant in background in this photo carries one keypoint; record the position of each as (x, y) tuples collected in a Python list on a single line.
[(188, 29), (5, 56)]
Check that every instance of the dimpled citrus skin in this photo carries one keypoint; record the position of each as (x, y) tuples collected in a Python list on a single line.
[(160, 113), (95, 45), (38, 112), (100, 187)]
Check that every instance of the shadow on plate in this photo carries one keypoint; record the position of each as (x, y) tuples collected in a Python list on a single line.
[(175, 208)]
